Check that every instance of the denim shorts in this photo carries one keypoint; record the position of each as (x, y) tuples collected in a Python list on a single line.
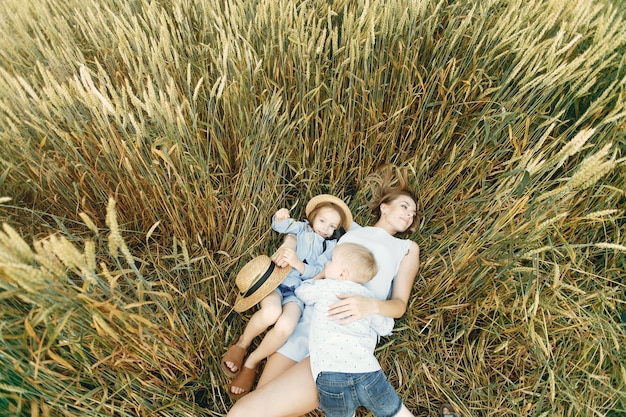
[(288, 295), (340, 394)]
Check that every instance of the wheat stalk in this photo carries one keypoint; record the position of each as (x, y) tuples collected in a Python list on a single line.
[(145, 146)]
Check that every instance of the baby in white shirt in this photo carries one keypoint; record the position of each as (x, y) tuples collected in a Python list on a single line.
[(345, 370)]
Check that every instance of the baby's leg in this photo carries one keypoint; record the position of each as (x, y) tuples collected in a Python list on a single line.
[(277, 335), (269, 311)]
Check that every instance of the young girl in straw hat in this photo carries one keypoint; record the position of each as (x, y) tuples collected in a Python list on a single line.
[(326, 215)]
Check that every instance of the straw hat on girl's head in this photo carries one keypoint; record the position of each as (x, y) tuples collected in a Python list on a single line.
[(256, 280), (327, 198)]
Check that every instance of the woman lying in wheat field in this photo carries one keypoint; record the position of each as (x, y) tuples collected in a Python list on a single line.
[(286, 387)]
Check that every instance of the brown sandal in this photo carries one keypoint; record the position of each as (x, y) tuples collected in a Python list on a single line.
[(234, 354), (244, 380)]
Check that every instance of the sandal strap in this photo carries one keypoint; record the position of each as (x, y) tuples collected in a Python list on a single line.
[(245, 379)]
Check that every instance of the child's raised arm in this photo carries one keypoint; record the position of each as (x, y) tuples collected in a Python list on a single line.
[(281, 214)]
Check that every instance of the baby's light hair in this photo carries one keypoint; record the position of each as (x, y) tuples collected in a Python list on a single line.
[(359, 260)]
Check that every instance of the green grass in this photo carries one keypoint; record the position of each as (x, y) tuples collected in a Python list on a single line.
[(145, 145)]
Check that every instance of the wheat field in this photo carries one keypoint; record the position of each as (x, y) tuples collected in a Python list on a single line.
[(145, 145)]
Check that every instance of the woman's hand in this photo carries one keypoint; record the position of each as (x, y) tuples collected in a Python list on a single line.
[(351, 307)]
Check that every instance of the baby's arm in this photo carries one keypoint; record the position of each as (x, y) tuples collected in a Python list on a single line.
[(289, 243)]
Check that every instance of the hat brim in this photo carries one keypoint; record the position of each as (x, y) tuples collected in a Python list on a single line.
[(271, 283), (327, 198)]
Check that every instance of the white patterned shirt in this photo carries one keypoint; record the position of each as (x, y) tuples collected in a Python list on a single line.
[(337, 347)]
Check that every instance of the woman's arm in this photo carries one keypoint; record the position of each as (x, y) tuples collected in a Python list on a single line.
[(353, 307), (402, 285)]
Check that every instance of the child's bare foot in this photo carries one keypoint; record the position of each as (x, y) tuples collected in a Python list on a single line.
[(233, 359), (242, 384)]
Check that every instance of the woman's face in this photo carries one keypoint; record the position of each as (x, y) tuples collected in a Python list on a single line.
[(400, 213)]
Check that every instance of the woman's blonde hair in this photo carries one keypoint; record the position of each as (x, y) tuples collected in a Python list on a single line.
[(386, 184)]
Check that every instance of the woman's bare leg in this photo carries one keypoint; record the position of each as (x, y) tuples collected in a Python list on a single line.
[(290, 394), (276, 365)]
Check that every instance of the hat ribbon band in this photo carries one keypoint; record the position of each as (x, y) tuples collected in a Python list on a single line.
[(260, 281)]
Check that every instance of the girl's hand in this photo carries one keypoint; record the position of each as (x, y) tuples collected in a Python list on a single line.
[(279, 256), (321, 274), (282, 214), (287, 257), (351, 307)]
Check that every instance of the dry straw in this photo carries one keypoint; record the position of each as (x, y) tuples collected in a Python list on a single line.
[(144, 147)]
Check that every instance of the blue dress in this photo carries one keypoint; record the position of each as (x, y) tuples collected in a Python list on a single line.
[(309, 249)]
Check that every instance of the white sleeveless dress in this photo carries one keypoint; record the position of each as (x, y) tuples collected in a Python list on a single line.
[(389, 252)]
